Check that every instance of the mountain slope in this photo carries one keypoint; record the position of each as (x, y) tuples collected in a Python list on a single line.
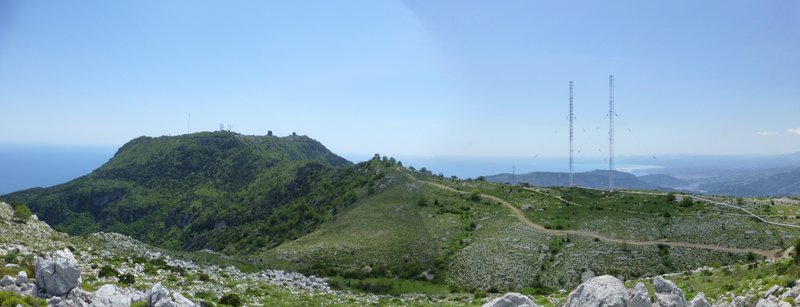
[(666, 181), (213, 190), (781, 184)]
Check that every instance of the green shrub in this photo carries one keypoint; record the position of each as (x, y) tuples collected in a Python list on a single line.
[(231, 299), (422, 201), (127, 279), (107, 271), (475, 195), (22, 212), (796, 255), (204, 277), (139, 304), (13, 299)]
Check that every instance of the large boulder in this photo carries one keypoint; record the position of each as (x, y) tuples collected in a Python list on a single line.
[(110, 296), (57, 275), (668, 294), (699, 300), (6, 281), (606, 291), (511, 300), (158, 296), (22, 278), (639, 297)]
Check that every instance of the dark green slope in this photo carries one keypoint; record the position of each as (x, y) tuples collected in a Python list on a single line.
[(217, 190)]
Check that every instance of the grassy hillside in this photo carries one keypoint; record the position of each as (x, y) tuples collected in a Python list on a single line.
[(467, 239), (217, 190)]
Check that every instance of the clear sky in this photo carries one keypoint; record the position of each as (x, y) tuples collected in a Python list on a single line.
[(416, 77)]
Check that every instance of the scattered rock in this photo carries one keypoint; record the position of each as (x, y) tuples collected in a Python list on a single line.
[(772, 290), (511, 300), (668, 294), (182, 301), (699, 300), (22, 278), (599, 291), (639, 297), (57, 275), (109, 296), (768, 302), (6, 281)]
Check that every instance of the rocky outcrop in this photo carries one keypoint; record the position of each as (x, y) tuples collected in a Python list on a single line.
[(158, 296), (668, 294), (638, 296), (699, 300), (57, 275), (110, 296), (603, 290), (511, 300)]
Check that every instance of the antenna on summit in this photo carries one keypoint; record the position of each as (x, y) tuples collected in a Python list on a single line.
[(188, 123), (571, 119), (611, 115)]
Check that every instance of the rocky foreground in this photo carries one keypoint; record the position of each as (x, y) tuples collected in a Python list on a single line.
[(46, 267), (609, 291)]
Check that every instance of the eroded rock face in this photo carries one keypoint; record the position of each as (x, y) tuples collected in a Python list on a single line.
[(603, 290), (511, 300), (57, 275), (668, 294)]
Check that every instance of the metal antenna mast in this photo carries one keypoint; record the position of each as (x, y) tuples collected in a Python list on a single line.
[(571, 119), (611, 115), (188, 123)]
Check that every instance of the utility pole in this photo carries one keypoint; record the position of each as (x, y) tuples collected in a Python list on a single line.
[(571, 119), (611, 115)]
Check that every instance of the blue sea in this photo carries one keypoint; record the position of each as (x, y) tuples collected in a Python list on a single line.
[(28, 166)]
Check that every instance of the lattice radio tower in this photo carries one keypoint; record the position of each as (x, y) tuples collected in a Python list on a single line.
[(611, 115), (571, 119)]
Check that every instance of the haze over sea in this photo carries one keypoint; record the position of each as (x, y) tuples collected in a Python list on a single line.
[(29, 166)]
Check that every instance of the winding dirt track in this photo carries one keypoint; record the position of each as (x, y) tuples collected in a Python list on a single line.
[(770, 254)]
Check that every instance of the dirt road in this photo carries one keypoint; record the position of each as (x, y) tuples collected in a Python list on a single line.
[(770, 254)]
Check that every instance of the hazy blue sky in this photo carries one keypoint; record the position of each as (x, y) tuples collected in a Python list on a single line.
[(482, 78)]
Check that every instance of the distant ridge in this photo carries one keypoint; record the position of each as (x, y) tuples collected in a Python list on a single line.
[(593, 179)]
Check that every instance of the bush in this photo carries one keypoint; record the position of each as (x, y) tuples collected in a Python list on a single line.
[(231, 299), (204, 277), (687, 202), (127, 279), (8, 298), (751, 256), (107, 271), (22, 212), (422, 201), (796, 255), (139, 304), (475, 195)]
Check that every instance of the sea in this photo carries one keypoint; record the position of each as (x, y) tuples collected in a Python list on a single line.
[(29, 166)]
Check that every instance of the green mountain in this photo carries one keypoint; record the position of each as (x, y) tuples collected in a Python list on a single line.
[(378, 226), (217, 190)]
